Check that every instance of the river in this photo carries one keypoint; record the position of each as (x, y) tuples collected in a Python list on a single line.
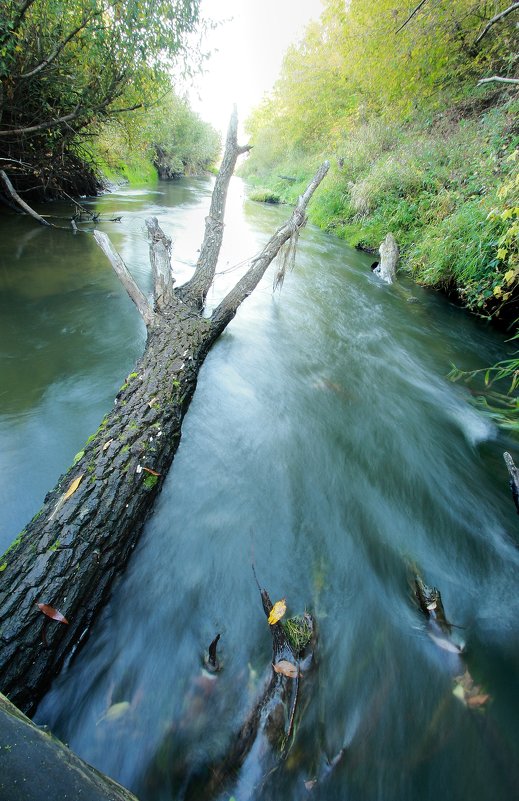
[(325, 444)]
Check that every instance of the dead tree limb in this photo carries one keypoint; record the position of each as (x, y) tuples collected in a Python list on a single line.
[(497, 79), (125, 278), (197, 287), (13, 194), (496, 18), (69, 554)]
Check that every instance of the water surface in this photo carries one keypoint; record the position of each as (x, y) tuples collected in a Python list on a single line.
[(325, 444)]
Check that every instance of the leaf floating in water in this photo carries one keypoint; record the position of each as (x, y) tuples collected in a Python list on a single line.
[(53, 613), (445, 644), (310, 784), (73, 487), (115, 711), (277, 611), (286, 668)]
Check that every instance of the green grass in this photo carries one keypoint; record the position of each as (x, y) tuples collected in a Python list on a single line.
[(432, 183)]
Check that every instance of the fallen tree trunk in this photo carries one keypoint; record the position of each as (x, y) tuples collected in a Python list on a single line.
[(69, 554)]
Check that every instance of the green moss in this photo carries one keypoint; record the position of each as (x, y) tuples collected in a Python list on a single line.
[(299, 632), (150, 481)]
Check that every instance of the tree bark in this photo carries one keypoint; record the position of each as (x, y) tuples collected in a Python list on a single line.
[(69, 554)]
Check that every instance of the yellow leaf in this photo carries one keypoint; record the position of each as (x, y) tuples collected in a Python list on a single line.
[(286, 668), (501, 253), (277, 611), (497, 291), (73, 487), (509, 276), (116, 711)]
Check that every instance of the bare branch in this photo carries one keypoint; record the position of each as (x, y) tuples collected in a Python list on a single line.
[(513, 7), (198, 286), (16, 197), (411, 15), (229, 305), (125, 278), (497, 79), (160, 259)]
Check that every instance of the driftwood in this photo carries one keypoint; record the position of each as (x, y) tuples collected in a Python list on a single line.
[(35, 765), (69, 554), (514, 478), (15, 197)]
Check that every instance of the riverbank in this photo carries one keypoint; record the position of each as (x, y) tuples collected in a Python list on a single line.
[(446, 186)]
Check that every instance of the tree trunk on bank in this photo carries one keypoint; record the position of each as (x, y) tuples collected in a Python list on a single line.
[(68, 555)]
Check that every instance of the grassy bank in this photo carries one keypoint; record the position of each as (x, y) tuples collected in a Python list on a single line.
[(446, 187)]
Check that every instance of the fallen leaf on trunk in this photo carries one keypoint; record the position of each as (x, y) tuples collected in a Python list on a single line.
[(277, 611), (53, 613), (107, 444), (73, 487), (286, 668)]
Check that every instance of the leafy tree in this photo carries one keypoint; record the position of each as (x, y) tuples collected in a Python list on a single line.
[(67, 67)]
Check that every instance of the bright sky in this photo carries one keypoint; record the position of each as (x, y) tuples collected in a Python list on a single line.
[(247, 51)]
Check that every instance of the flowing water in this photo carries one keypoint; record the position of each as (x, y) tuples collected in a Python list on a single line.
[(325, 444)]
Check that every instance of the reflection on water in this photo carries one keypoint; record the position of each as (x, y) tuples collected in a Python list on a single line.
[(325, 444)]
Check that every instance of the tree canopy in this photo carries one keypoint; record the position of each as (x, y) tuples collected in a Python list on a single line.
[(67, 67)]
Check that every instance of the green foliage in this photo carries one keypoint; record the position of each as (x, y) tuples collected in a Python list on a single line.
[(67, 68), (264, 196)]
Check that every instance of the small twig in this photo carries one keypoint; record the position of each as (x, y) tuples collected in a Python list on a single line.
[(411, 15)]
